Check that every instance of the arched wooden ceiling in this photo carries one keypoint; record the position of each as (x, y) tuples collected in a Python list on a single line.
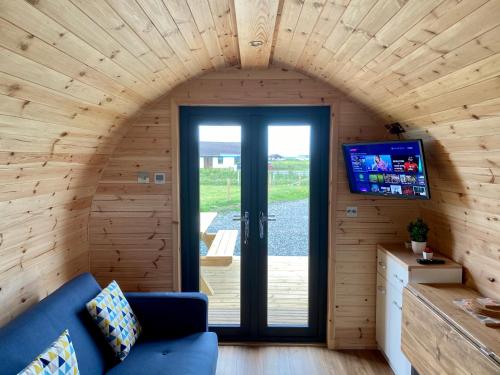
[(388, 54)]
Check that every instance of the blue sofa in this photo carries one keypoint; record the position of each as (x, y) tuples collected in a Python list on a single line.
[(175, 338)]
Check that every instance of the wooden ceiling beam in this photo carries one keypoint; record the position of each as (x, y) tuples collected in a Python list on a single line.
[(255, 22)]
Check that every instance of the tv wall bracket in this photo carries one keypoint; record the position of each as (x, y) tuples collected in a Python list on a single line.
[(395, 128)]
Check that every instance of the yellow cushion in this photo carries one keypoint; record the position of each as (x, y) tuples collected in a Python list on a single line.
[(59, 358)]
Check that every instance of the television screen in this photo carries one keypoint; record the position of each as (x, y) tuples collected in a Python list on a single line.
[(392, 168)]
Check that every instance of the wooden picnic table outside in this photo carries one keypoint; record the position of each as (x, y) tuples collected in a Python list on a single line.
[(206, 219), (220, 245)]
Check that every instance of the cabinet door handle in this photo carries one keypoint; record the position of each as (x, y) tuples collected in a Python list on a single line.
[(396, 304), (398, 279), (382, 265)]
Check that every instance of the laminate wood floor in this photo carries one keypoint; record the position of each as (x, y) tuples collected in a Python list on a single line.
[(299, 360)]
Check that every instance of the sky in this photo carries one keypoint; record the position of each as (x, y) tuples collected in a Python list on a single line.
[(283, 140)]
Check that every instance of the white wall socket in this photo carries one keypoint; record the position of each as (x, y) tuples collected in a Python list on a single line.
[(351, 212)]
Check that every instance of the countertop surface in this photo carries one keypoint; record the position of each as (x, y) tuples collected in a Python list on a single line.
[(408, 259), (440, 298)]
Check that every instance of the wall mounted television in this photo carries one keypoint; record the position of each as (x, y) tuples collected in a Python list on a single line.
[(391, 168)]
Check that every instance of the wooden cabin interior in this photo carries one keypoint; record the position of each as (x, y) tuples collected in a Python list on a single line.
[(216, 146)]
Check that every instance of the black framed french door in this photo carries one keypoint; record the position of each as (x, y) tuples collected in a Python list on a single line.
[(254, 218)]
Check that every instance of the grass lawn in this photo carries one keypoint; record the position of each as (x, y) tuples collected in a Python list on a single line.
[(290, 165), (220, 188), (216, 198)]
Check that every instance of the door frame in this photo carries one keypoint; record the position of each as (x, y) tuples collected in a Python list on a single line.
[(320, 160)]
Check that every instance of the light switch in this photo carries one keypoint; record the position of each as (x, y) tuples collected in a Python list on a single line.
[(351, 211), (143, 177)]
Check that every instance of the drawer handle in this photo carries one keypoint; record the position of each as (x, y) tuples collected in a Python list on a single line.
[(381, 289), (397, 278), (382, 265), (396, 304)]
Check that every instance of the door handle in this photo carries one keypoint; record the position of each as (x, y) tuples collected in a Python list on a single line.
[(245, 219), (263, 219)]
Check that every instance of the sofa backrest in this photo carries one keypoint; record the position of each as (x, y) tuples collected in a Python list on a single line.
[(28, 335)]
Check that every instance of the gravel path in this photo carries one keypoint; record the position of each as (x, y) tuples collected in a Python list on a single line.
[(288, 235)]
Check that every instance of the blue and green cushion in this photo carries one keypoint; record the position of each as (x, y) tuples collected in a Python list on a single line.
[(115, 318), (59, 358)]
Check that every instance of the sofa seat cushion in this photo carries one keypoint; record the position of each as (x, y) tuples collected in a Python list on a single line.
[(191, 355)]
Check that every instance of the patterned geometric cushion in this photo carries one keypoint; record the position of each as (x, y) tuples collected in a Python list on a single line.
[(59, 358), (114, 316)]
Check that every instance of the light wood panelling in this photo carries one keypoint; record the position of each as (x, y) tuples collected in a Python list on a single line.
[(464, 212), (451, 103), (256, 22), (127, 216), (131, 224), (72, 72), (379, 220), (433, 66)]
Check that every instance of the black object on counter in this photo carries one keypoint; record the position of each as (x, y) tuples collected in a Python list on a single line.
[(430, 261)]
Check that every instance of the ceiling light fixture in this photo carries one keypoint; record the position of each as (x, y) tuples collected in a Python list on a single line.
[(256, 43)]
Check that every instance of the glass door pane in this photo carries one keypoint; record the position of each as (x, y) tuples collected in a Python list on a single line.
[(288, 225), (220, 208)]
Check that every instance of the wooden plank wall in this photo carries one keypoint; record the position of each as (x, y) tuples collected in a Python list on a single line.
[(131, 224), (462, 142), (379, 220), (438, 75), (71, 71), (59, 121), (433, 66)]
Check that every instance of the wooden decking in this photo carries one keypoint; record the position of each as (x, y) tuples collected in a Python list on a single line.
[(287, 299)]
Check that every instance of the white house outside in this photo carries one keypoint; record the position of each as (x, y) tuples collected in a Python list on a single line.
[(220, 155)]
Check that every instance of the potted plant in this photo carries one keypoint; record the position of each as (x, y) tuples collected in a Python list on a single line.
[(428, 253), (418, 234)]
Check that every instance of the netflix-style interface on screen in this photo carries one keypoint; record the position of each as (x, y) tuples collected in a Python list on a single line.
[(393, 168)]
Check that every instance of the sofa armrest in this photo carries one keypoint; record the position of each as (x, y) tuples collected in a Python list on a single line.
[(170, 314)]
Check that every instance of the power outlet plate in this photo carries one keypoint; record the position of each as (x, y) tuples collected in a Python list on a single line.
[(351, 212)]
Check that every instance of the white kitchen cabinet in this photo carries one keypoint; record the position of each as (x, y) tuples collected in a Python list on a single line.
[(396, 267)]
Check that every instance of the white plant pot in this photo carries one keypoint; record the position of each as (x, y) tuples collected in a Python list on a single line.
[(418, 247), (427, 255)]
